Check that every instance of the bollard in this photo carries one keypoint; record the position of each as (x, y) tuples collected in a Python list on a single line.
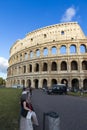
[(51, 121)]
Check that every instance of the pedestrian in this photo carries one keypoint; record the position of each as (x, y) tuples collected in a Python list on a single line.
[(30, 89), (24, 91), (25, 124), (28, 116)]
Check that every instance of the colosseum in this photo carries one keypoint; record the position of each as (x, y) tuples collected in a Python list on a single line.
[(50, 55)]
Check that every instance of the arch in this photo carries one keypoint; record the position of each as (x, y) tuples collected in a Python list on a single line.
[(45, 51), (30, 68), (14, 82), (84, 65), (82, 48), (45, 66), (37, 52), (25, 56), (54, 66), (24, 69), (73, 49), (31, 54), (53, 81), (36, 83), (37, 67), (85, 84), (74, 65), (75, 84), (63, 49), (11, 83), (28, 83), (54, 50), (44, 83), (64, 81), (63, 65), (18, 81), (23, 82)]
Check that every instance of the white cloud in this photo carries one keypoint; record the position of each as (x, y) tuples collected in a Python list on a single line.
[(3, 67), (68, 15)]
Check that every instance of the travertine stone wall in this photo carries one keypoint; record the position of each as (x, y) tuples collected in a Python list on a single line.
[(71, 30), (29, 65)]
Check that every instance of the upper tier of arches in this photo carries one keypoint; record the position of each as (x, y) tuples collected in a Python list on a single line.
[(49, 51), (57, 32)]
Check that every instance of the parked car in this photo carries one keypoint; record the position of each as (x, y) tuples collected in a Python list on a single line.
[(57, 89)]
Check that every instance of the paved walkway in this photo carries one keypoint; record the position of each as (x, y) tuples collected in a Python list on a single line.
[(25, 124), (72, 110)]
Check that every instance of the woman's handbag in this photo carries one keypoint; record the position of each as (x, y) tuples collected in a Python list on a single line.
[(29, 115), (32, 115)]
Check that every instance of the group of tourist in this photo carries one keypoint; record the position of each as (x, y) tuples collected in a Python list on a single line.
[(28, 116)]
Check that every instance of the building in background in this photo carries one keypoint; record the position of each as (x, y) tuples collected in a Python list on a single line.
[(50, 55)]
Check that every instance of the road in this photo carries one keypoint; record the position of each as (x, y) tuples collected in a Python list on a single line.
[(72, 110)]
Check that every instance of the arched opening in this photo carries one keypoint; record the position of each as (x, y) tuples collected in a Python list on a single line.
[(85, 84), (84, 65), (23, 82), (28, 83), (14, 82), (75, 84), (54, 50), (64, 81), (20, 57), (44, 83), (37, 52), (25, 56), (24, 69), (30, 68), (72, 49), (19, 69), (82, 48), (37, 67), (31, 54), (74, 65), (44, 66), (36, 83), (54, 66), (63, 65), (53, 81), (45, 52), (18, 81), (63, 49)]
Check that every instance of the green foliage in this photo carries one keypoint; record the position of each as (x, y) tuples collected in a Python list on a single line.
[(2, 81), (9, 108)]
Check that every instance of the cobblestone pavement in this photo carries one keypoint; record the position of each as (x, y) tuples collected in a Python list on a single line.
[(72, 110)]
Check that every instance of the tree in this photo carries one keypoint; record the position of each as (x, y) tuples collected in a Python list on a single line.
[(2, 81)]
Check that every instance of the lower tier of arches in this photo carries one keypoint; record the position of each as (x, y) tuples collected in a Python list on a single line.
[(40, 81)]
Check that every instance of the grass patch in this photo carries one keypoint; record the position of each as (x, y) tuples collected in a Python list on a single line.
[(77, 94), (9, 108)]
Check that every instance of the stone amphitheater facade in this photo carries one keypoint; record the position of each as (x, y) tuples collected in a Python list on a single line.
[(50, 55)]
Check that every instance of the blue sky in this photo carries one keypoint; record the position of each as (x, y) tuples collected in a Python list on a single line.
[(19, 17)]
